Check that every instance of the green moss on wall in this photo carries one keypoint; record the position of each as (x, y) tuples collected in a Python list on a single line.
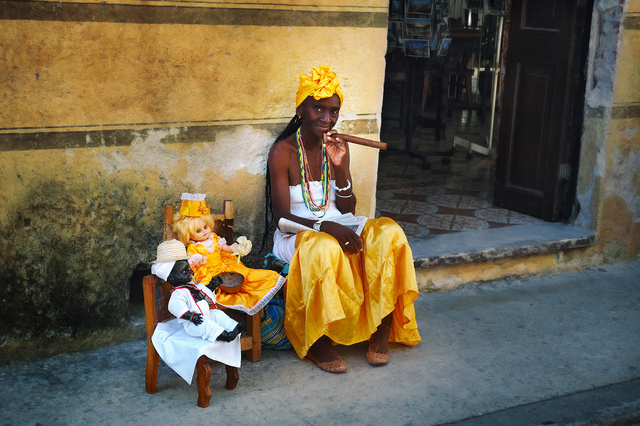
[(68, 250)]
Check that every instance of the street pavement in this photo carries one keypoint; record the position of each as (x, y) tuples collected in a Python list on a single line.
[(554, 349)]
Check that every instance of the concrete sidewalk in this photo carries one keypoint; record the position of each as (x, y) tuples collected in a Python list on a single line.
[(556, 349)]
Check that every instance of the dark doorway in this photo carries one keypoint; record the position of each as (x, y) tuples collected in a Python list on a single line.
[(543, 93), (431, 190)]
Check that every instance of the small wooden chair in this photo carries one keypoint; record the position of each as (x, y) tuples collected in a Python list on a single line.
[(157, 311)]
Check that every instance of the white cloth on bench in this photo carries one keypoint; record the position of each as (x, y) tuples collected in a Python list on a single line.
[(180, 351)]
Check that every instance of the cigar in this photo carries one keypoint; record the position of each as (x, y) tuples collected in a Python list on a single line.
[(362, 141)]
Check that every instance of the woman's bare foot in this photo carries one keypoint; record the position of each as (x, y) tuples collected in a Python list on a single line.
[(323, 354), (378, 352)]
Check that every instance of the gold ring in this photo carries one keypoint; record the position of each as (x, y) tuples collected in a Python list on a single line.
[(347, 243)]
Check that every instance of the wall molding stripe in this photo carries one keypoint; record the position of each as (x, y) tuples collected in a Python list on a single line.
[(124, 137), (137, 126), (188, 15), (163, 124), (618, 112), (632, 22), (625, 111)]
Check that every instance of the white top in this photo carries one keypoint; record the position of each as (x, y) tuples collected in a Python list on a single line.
[(284, 244)]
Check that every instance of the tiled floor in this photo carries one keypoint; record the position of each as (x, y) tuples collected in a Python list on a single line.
[(447, 198)]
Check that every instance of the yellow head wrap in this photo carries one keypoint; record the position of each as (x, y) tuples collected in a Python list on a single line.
[(323, 83)]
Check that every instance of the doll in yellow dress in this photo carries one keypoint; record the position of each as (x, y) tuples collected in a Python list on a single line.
[(211, 255)]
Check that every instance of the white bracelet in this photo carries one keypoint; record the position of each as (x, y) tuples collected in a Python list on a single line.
[(345, 188), (316, 226), (344, 196)]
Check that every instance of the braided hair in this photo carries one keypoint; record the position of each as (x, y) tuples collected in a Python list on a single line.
[(291, 128)]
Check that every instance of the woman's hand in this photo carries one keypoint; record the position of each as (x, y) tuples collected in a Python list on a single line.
[(348, 240), (336, 148)]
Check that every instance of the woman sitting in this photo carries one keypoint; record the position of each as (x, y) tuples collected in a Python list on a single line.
[(343, 288)]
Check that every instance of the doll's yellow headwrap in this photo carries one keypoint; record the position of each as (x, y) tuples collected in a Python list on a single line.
[(193, 205), (323, 83)]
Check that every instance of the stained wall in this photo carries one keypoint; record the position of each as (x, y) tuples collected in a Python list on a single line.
[(609, 181), (110, 109)]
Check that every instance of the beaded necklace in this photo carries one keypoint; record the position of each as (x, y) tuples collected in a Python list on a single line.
[(305, 179)]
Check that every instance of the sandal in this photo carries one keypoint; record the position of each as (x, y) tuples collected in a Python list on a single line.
[(376, 358), (336, 366)]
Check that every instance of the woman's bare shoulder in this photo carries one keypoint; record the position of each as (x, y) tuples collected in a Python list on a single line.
[(283, 148)]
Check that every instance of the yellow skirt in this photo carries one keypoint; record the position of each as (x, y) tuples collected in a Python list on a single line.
[(345, 297)]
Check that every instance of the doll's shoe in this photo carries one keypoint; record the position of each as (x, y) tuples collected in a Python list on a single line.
[(229, 336), (224, 336), (239, 329), (336, 366), (376, 358)]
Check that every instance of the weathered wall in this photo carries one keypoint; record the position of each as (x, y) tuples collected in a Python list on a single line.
[(110, 109), (609, 181)]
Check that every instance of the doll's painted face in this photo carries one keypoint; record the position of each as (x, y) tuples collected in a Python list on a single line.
[(201, 232)]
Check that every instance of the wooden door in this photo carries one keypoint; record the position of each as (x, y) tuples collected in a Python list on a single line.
[(533, 163)]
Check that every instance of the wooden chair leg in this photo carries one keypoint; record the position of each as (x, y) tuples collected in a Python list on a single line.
[(151, 374), (203, 371), (253, 327), (232, 377)]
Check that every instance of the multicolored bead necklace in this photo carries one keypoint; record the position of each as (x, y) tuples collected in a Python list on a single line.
[(305, 179)]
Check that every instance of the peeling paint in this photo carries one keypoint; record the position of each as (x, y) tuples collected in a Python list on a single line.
[(604, 5), (147, 150), (585, 216), (630, 133), (622, 180), (242, 149), (605, 60)]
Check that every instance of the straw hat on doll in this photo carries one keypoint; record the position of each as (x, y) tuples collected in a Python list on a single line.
[(170, 251)]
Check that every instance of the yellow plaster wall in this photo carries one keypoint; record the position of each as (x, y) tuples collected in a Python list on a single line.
[(79, 74), (627, 88), (633, 6), (609, 182), (619, 221), (110, 109)]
